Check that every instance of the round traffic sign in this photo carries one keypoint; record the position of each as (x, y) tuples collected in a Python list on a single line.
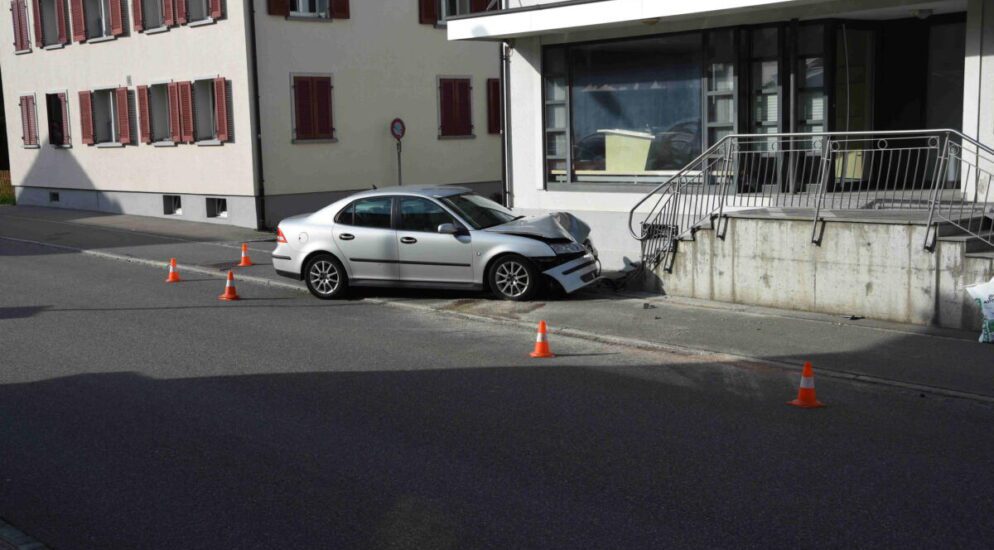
[(397, 128)]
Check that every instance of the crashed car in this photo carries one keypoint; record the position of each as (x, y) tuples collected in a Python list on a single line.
[(441, 237)]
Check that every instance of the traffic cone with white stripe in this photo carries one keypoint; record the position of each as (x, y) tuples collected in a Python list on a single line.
[(246, 261), (229, 289), (542, 343), (173, 274), (806, 394)]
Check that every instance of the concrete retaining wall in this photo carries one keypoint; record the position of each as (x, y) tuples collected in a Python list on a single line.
[(873, 270)]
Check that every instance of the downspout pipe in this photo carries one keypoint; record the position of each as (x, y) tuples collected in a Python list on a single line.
[(260, 180), (505, 88)]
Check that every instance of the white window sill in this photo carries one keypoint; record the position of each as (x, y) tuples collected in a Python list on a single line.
[(157, 30), (467, 136), (22, 52), (201, 22), (209, 143), (101, 39), (31, 146), (109, 145), (322, 140), (308, 17), (55, 46), (166, 143), (63, 146)]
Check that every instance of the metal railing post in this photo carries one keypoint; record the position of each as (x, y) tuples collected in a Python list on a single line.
[(940, 168), (826, 167)]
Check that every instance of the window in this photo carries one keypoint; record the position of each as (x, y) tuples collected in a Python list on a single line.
[(217, 208), (493, 106), (105, 117), (154, 110), (50, 23), (58, 119), (463, 7), (455, 107), (371, 212), (29, 121), (172, 205), (721, 112), (53, 196), (210, 111), (152, 14), (97, 19), (417, 214), (312, 108), (478, 211), (19, 16), (318, 9)]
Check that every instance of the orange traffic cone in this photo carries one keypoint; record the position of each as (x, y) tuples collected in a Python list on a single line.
[(229, 289), (246, 261), (173, 274), (806, 394), (542, 343)]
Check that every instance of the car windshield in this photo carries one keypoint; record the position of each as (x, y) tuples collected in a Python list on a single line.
[(478, 212)]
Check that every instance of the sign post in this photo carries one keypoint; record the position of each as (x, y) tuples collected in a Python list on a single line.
[(397, 130)]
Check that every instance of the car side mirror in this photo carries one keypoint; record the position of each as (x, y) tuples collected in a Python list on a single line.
[(448, 229)]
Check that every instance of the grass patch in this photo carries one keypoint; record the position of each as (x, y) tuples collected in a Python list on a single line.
[(6, 190)]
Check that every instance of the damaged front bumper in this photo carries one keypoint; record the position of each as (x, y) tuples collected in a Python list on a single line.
[(575, 274)]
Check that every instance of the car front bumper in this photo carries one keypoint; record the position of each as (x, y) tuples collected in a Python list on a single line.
[(575, 274)]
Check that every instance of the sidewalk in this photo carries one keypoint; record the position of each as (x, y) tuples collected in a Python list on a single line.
[(903, 354)]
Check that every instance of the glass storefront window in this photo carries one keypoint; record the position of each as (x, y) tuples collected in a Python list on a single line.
[(556, 116)]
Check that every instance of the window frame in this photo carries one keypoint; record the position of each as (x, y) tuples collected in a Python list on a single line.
[(207, 19), (106, 23), (213, 139), (56, 43), (163, 25), (168, 141), (351, 205), (114, 126), (67, 114), (331, 108), (306, 15), (438, 103)]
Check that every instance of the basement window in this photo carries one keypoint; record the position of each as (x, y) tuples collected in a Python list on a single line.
[(53, 196), (172, 205), (217, 208)]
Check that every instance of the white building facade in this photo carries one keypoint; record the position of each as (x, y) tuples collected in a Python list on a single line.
[(609, 98), (241, 113)]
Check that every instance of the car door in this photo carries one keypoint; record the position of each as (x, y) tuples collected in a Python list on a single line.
[(365, 235), (425, 254)]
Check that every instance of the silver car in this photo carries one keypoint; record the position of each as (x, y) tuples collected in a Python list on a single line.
[(445, 237)]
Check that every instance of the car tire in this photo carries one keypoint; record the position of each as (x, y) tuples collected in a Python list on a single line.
[(514, 277), (325, 277)]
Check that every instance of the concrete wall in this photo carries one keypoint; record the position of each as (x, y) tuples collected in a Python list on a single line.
[(133, 177), (384, 64), (873, 270)]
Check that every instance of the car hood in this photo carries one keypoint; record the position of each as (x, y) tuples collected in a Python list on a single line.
[(557, 225)]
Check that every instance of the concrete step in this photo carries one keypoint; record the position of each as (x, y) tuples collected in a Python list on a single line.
[(988, 255), (971, 243)]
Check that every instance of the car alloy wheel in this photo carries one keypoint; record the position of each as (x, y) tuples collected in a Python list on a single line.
[(325, 277), (514, 278)]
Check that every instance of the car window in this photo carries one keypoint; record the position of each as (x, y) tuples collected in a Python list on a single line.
[(371, 212), (477, 211), (418, 214)]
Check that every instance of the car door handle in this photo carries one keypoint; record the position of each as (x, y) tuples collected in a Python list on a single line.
[(346, 236), (408, 240)]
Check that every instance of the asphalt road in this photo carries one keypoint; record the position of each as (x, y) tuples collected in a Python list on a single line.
[(142, 415)]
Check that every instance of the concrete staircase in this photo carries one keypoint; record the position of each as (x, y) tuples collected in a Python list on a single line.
[(869, 263)]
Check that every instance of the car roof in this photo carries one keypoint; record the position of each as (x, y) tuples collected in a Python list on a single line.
[(435, 191)]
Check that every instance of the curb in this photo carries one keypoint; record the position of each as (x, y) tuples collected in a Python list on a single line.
[(634, 343)]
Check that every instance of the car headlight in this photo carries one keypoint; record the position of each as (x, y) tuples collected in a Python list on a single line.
[(567, 248)]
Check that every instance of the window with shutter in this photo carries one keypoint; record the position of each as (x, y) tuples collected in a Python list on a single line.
[(98, 18), (29, 121), (340, 9), (455, 107), (428, 12), (493, 106), (86, 118), (279, 7), (312, 106), (19, 16), (186, 111), (39, 34), (123, 110), (116, 18), (175, 133), (144, 122), (58, 113), (221, 109), (78, 20), (49, 17)]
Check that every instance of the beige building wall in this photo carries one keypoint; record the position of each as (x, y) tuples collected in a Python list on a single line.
[(181, 53), (384, 64)]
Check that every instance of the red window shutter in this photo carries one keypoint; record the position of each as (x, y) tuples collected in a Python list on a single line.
[(85, 118), (279, 7), (493, 106), (180, 11), (136, 15), (428, 12), (175, 127), (455, 108), (324, 127), (19, 15), (60, 21), (78, 20), (339, 9), (303, 102), (64, 104), (446, 115), (478, 5), (221, 108), (186, 110), (464, 107), (25, 120), (123, 116), (144, 124), (116, 18), (32, 121), (168, 13), (39, 35), (216, 9)]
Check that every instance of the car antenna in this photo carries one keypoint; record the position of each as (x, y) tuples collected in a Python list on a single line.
[(374, 186)]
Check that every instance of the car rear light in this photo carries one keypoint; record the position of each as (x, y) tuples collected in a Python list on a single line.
[(280, 237)]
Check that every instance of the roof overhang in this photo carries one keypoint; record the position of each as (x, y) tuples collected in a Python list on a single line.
[(590, 14)]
